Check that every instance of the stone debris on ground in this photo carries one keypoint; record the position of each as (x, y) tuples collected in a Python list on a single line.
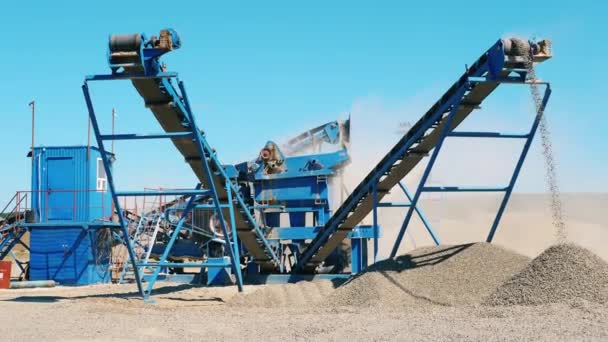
[(563, 273), (303, 293)]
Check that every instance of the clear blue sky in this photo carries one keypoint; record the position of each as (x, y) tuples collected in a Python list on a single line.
[(266, 70)]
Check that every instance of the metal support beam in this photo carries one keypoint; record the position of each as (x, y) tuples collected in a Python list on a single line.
[(114, 77), (393, 205), (235, 241), (426, 223), (520, 163), (463, 189), (180, 264), (447, 122), (127, 136), (375, 219), (167, 251), (110, 177), (488, 135), (216, 201), (164, 192)]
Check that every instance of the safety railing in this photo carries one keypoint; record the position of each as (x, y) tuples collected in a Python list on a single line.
[(46, 206), (12, 211)]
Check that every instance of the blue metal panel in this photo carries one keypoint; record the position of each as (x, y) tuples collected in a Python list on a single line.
[(307, 233), (60, 185), (51, 171), (218, 275), (99, 201), (322, 164), (66, 255), (297, 219), (358, 255), (295, 189)]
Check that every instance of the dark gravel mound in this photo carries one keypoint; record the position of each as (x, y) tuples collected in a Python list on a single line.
[(441, 275), (563, 273)]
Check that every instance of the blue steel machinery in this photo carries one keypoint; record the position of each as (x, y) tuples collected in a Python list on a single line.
[(281, 184), (223, 188), (248, 200), (284, 191)]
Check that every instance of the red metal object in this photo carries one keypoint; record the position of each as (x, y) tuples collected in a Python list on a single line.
[(5, 274)]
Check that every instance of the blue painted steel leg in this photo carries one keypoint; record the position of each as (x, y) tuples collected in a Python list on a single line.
[(375, 218), (359, 255), (106, 165), (426, 223), (519, 165), (235, 244), (165, 255), (205, 163), (447, 127)]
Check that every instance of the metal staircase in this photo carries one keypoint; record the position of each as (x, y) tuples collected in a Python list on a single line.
[(143, 239), (12, 229), (10, 236)]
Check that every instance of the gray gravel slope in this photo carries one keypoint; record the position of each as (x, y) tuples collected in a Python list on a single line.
[(563, 273)]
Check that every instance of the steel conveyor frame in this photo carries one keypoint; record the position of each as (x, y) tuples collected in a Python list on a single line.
[(198, 192), (136, 58), (493, 68)]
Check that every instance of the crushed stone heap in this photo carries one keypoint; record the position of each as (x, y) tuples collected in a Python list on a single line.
[(442, 275), (563, 273), (303, 293)]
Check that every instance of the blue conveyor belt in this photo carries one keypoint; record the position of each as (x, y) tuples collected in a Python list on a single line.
[(494, 64)]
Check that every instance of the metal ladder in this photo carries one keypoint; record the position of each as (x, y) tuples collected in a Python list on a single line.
[(12, 230), (143, 241)]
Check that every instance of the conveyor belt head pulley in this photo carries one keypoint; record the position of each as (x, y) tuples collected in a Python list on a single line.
[(131, 52), (514, 53), (517, 47)]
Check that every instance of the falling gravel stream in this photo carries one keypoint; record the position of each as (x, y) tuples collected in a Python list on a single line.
[(557, 211)]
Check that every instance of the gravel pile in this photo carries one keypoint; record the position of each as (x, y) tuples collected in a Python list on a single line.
[(442, 275), (304, 293), (563, 273)]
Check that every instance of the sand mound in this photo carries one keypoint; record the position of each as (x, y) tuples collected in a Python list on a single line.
[(443, 275), (563, 273), (304, 293)]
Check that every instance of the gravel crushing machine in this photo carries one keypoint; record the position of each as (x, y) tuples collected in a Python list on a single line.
[(270, 219), (272, 213)]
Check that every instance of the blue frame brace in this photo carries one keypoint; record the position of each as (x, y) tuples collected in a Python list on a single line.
[(529, 137), (193, 195), (444, 131)]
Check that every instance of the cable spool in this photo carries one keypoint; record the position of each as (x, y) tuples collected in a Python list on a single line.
[(516, 47), (125, 42)]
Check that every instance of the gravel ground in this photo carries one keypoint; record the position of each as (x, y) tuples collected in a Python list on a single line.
[(200, 314), (444, 285)]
